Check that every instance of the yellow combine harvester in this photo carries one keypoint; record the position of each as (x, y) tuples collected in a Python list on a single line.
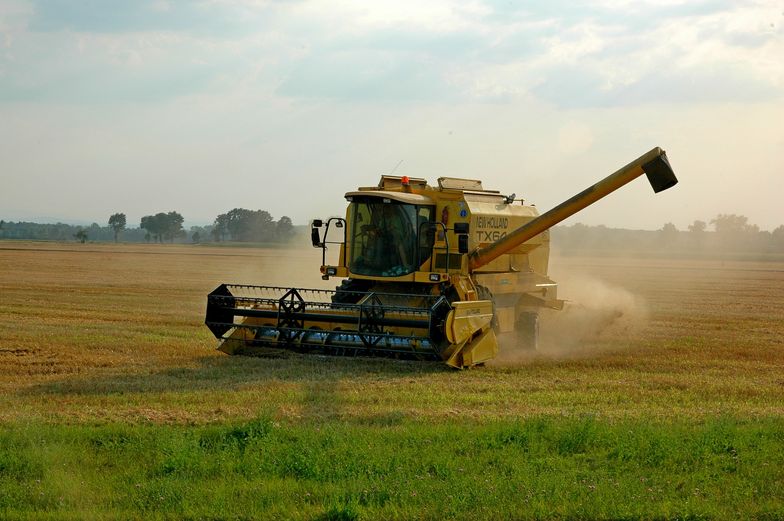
[(431, 273)]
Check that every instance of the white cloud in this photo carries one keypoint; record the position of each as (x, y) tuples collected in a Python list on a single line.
[(392, 50), (357, 17)]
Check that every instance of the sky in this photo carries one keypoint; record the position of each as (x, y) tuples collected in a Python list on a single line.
[(140, 106)]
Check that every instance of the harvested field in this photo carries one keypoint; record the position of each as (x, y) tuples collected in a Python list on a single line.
[(97, 340), (115, 333)]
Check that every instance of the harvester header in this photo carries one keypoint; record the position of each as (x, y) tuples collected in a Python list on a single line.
[(433, 273)]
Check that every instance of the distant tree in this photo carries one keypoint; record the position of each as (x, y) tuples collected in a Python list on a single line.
[(697, 227), (697, 233), (237, 223), (117, 224), (777, 236), (240, 224), (81, 236), (196, 237), (284, 229), (154, 226), (731, 224), (163, 226), (669, 228), (735, 232), (173, 226), (147, 237), (669, 233), (263, 226), (220, 227), (248, 225)]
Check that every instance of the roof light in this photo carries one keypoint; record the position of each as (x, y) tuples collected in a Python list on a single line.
[(405, 180)]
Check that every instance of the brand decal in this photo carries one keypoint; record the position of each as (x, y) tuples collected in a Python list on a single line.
[(492, 222), (490, 228)]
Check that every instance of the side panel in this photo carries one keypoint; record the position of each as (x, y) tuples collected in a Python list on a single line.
[(491, 221), (516, 292)]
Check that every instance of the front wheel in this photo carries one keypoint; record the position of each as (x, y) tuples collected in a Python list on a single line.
[(351, 291)]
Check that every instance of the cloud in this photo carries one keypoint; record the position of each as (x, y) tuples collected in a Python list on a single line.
[(593, 54), (363, 76), (122, 16), (387, 65), (598, 54), (580, 87), (722, 55), (99, 68)]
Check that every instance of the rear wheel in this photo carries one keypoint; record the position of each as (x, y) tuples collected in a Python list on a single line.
[(484, 293), (527, 329)]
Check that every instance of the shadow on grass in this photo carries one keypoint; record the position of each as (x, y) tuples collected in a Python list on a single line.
[(318, 373)]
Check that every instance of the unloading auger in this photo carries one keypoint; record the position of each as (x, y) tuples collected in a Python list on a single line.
[(429, 273)]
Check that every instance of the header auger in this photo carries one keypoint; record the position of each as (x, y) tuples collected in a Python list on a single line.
[(430, 273)]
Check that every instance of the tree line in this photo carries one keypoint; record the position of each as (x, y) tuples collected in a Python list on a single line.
[(244, 225), (726, 233), (239, 224)]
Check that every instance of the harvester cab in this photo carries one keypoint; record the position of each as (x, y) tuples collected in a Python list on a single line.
[(428, 272)]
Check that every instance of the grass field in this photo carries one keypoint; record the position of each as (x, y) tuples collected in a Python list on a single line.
[(659, 394)]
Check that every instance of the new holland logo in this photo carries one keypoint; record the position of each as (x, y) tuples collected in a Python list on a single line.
[(490, 229)]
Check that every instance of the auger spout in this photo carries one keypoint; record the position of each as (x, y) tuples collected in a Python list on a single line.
[(653, 164)]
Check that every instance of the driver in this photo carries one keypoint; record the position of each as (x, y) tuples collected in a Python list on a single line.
[(389, 237)]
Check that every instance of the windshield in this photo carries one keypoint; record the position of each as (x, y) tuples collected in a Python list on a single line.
[(384, 237)]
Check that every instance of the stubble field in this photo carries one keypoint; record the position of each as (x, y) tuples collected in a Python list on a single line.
[(659, 393)]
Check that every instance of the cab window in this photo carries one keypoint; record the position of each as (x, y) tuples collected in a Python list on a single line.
[(385, 237)]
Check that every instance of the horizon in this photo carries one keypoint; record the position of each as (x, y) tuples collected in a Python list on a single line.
[(187, 225)]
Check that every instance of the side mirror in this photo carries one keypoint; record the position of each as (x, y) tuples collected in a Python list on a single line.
[(317, 223), (314, 236)]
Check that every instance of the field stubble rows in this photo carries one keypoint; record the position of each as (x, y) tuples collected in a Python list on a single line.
[(106, 333)]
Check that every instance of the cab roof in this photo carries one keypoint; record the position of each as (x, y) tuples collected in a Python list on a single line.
[(403, 197)]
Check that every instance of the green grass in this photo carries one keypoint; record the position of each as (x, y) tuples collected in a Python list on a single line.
[(387, 468)]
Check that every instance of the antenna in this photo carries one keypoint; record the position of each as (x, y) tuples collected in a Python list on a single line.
[(397, 165)]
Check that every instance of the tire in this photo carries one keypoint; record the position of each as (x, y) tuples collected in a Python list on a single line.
[(484, 293), (351, 291), (527, 329)]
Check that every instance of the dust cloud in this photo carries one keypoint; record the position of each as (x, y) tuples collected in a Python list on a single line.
[(290, 266), (597, 317)]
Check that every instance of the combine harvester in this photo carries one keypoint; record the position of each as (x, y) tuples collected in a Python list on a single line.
[(430, 273)]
